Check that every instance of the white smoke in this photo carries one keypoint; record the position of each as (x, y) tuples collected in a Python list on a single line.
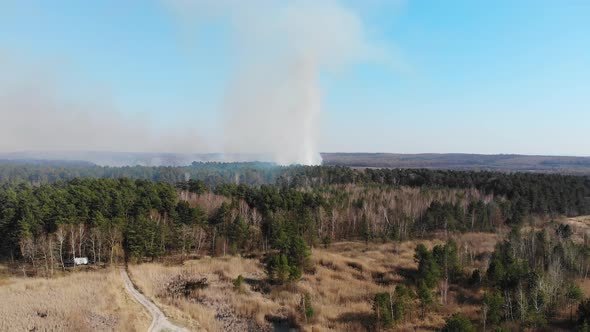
[(273, 103), (271, 108), (275, 113), (38, 114)]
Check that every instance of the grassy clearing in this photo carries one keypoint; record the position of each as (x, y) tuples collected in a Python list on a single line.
[(342, 287), (219, 298), (83, 301), (580, 227)]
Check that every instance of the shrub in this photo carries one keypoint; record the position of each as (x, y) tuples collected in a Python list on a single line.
[(401, 299), (425, 296), (390, 309), (458, 323), (327, 241), (584, 311), (289, 262), (307, 307), (382, 309), (475, 277), (238, 283), (493, 302)]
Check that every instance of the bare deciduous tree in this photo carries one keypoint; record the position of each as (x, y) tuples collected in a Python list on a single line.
[(27, 249), (114, 240), (81, 237), (61, 235)]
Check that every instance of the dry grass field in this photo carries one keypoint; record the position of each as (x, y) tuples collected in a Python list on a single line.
[(159, 283), (342, 285), (81, 301), (580, 227)]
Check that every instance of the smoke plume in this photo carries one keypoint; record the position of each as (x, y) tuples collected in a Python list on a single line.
[(39, 114), (270, 109), (273, 103)]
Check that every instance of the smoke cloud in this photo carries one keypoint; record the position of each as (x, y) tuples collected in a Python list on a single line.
[(38, 113), (273, 103), (271, 108)]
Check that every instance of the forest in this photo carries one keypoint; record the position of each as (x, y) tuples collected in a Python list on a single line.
[(50, 214)]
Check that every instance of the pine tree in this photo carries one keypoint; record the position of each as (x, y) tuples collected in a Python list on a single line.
[(458, 323), (425, 297)]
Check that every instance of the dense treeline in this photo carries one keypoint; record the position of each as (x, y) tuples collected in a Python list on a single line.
[(280, 212), (99, 218), (213, 173), (530, 277), (91, 215), (535, 193), (102, 218), (538, 193)]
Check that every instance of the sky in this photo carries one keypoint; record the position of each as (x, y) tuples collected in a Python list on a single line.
[(441, 76)]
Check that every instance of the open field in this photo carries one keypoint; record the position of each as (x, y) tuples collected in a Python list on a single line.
[(580, 228), (200, 294), (463, 162), (450, 161), (82, 301), (342, 285)]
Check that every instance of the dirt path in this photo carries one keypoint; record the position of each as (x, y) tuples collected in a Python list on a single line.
[(159, 320)]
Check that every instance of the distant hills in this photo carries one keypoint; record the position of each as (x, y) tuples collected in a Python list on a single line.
[(450, 161), (119, 159), (463, 162)]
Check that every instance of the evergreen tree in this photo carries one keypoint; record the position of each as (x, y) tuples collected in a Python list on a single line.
[(429, 271), (458, 323), (573, 295), (492, 308), (382, 307), (366, 229), (425, 297)]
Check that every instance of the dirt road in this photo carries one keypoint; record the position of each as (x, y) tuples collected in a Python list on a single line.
[(159, 320)]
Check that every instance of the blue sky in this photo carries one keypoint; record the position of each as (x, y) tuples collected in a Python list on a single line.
[(474, 76)]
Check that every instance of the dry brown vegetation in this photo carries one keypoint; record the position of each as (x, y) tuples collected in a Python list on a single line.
[(342, 286), (219, 298), (382, 207), (580, 234), (81, 301), (580, 228)]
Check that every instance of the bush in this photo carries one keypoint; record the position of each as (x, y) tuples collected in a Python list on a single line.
[(289, 262), (401, 300), (183, 285), (382, 309), (387, 312), (584, 311), (475, 277), (327, 241), (306, 307), (425, 296), (278, 269), (493, 302), (238, 283), (458, 323)]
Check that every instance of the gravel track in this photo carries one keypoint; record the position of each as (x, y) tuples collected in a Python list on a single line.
[(159, 320)]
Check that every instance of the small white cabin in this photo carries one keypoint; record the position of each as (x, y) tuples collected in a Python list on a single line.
[(80, 260)]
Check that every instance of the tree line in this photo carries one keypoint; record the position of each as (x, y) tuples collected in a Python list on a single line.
[(212, 173), (536, 193), (104, 218), (283, 214)]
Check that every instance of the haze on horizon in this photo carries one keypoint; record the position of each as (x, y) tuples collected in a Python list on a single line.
[(293, 78)]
